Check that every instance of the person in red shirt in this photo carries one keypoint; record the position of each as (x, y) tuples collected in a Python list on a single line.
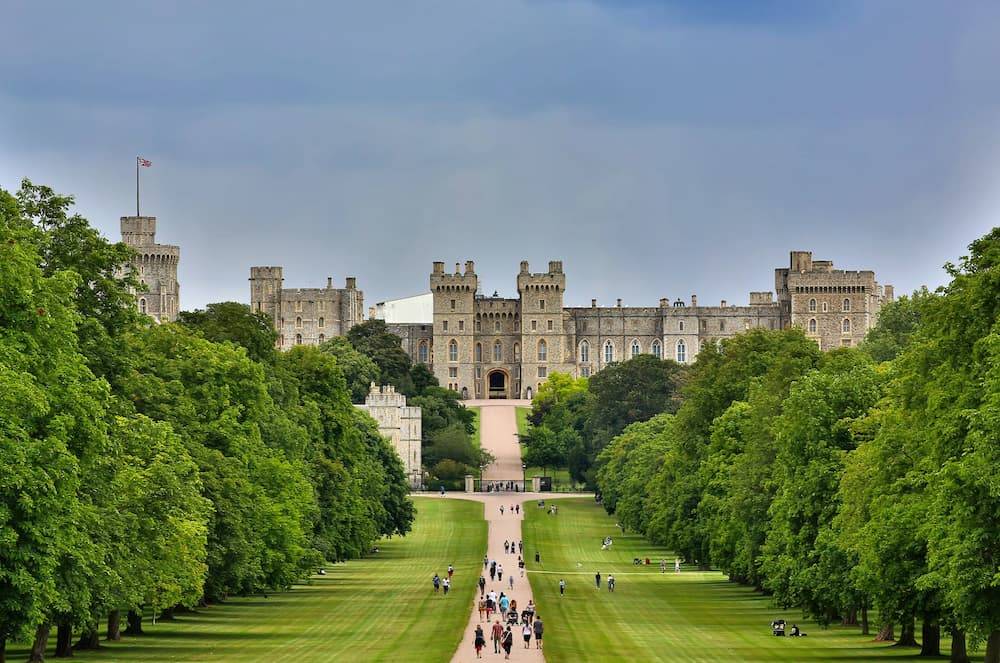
[(495, 635)]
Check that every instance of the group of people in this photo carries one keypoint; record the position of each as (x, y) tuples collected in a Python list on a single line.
[(503, 486), (444, 583), (514, 509), (502, 635), (597, 581)]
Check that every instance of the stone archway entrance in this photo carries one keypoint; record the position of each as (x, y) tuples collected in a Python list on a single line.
[(497, 384)]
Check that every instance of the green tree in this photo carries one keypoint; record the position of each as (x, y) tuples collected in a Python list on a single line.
[(358, 369), (544, 449), (236, 323), (373, 338), (897, 322)]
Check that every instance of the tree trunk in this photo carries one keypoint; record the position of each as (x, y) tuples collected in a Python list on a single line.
[(134, 623), (115, 625), (64, 639), (167, 615), (958, 652), (908, 637), (885, 634), (851, 618), (930, 638), (88, 639), (865, 630), (37, 654), (992, 648), (3, 650)]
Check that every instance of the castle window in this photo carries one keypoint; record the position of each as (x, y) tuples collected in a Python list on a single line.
[(812, 305), (479, 326), (657, 350), (479, 374), (541, 304), (461, 325), (444, 325), (298, 305), (517, 326), (479, 351), (453, 371), (542, 371), (636, 349), (681, 352), (680, 325), (322, 338), (543, 351), (517, 352), (585, 352), (585, 372), (845, 342), (322, 322), (845, 326), (812, 325), (452, 350), (142, 305), (722, 325), (496, 326), (298, 323), (422, 352), (847, 305), (825, 307), (298, 339), (704, 325), (550, 325), (281, 341), (534, 325), (497, 351), (453, 305), (609, 352)]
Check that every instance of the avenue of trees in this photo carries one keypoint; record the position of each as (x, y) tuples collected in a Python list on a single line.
[(159, 467), (860, 485)]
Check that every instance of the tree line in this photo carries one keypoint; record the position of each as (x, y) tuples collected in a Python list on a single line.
[(156, 467), (861, 483)]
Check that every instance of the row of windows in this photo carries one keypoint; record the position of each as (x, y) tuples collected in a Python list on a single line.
[(542, 354), (298, 339), (298, 322), (845, 306), (845, 326), (830, 288), (635, 349)]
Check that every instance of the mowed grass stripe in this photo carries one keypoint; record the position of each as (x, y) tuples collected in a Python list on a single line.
[(694, 616), (378, 609)]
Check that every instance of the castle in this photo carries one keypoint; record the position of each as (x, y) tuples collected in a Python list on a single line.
[(400, 424), (494, 347), (156, 267)]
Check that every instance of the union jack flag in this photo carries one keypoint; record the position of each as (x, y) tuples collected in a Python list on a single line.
[(144, 162)]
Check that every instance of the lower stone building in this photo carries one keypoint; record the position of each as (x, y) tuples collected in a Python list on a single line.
[(398, 422)]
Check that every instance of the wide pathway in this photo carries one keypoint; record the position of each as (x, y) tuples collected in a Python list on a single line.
[(498, 428)]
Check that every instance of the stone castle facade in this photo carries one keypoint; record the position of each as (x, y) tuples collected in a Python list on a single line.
[(494, 347), (398, 422), (305, 316), (155, 265)]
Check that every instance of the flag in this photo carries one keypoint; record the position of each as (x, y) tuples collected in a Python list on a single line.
[(144, 162)]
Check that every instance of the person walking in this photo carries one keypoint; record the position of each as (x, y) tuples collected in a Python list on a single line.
[(520, 547), (510, 582), (482, 608), (500, 572), (663, 566), (677, 564), (447, 586), (597, 579), (538, 557), (486, 561), (482, 585), (539, 629), (530, 610), (501, 509), (562, 586), (506, 547), (611, 582), (526, 633), (495, 635), (437, 582), (520, 565), (490, 607), (451, 571), (493, 571), (508, 642), (480, 641), (517, 507)]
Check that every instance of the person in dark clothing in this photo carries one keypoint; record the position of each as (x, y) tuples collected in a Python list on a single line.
[(539, 629), (480, 642), (597, 579), (482, 585), (507, 642)]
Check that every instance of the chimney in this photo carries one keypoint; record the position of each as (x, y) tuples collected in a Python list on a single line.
[(555, 267), (593, 303), (524, 266), (723, 303), (470, 267), (619, 304), (694, 300), (352, 283), (329, 282), (664, 302), (438, 267), (457, 269)]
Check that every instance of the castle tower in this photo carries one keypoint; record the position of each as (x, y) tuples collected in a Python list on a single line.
[(454, 326), (155, 265), (265, 292), (542, 335)]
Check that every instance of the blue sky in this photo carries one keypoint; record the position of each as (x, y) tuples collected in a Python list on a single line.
[(658, 148)]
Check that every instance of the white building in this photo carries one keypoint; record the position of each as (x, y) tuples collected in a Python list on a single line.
[(415, 309), (399, 423)]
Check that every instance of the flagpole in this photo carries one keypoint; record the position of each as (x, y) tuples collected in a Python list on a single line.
[(137, 186)]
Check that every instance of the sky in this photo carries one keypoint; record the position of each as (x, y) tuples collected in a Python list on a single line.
[(659, 149)]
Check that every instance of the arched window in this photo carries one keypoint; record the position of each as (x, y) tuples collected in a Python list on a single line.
[(281, 340), (657, 350), (636, 349), (498, 351), (298, 323), (543, 351), (422, 352), (322, 338), (142, 305), (517, 352), (609, 352), (479, 351), (812, 305), (452, 350), (847, 305), (322, 322), (496, 326), (812, 325), (527, 393), (298, 339), (826, 307), (681, 352), (585, 352), (680, 325), (846, 326)]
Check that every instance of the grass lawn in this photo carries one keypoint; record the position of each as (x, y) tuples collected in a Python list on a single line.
[(476, 434), (522, 420), (694, 616), (377, 609)]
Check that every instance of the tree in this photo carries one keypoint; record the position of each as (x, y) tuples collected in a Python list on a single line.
[(235, 323), (897, 322), (374, 339), (556, 390), (544, 449), (358, 369)]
